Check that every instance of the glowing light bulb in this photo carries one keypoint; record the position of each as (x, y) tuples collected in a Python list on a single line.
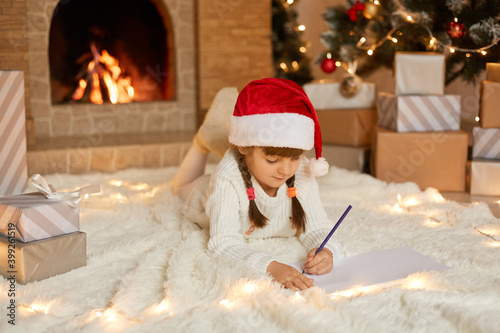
[(289, 2), (301, 27), (329, 55), (338, 63), (394, 40), (477, 118), (295, 65), (249, 288), (86, 196), (303, 49), (467, 55), (452, 50), (433, 41), (362, 39), (409, 18), (483, 52), (116, 183), (98, 314), (376, 2), (370, 52)]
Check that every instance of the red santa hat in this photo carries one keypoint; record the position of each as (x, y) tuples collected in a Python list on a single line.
[(277, 113)]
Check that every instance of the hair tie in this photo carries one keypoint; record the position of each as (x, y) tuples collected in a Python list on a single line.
[(251, 193), (292, 192)]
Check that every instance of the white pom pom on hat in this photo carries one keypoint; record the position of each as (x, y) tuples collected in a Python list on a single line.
[(276, 112)]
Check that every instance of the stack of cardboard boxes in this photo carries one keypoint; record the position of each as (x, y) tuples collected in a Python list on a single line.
[(39, 237), (485, 165), (418, 137), (346, 122)]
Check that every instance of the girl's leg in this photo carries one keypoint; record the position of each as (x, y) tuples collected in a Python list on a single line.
[(212, 136), (190, 170), (213, 133)]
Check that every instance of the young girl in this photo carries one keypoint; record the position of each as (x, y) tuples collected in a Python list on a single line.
[(263, 186)]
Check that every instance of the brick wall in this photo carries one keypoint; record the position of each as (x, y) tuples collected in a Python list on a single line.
[(234, 45)]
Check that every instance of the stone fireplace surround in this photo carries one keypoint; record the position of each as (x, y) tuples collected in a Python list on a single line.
[(79, 138), (85, 138)]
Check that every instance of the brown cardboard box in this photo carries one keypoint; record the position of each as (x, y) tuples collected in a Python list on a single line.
[(430, 159), (489, 111), (42, 259), (352, 127), (345, 157), (493, 71)]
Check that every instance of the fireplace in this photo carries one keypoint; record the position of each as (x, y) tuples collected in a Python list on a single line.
[(152, 44), (114, 51)]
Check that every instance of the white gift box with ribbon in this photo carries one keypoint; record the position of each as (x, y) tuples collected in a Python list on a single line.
[(39, 215)]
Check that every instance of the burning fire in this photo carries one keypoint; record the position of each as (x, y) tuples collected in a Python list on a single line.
[(104, 68)]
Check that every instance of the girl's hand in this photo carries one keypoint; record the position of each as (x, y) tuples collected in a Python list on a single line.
[(320, 263), (288, 276)]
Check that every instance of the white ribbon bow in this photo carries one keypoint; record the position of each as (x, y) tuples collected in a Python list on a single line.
[(73, 199)]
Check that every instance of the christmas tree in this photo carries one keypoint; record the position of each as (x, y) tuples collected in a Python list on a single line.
[(290, 60), (370, 33)]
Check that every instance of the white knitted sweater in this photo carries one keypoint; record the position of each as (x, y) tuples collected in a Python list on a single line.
[(225, 203)]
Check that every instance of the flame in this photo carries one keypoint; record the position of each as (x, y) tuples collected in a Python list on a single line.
[(104, 67)]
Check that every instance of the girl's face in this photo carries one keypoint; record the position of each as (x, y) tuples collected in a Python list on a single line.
[(271, 171)]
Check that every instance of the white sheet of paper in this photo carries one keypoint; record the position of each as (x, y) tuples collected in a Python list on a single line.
[(367, 269)]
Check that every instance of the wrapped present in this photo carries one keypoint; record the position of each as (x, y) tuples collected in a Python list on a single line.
[(352, 127), (486, 143), (489, 111), (493, 71), (419, 73), (325, 95), (13, 164), (418, 113), (430, 159), (345, 157), (42, 214), (41, 259), (485, 178)]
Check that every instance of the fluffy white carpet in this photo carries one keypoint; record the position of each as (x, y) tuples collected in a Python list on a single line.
[(148, 271)]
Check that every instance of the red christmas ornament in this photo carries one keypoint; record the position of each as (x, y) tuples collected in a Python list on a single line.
[(455, 29), (328, 65), (353, 11)]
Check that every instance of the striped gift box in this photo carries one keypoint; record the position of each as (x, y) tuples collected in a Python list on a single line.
[(486, 143), (13, 165), (35, 217), (418, 113)]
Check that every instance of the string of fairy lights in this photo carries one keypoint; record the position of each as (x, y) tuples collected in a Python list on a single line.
[(372, 47), (433, 41)]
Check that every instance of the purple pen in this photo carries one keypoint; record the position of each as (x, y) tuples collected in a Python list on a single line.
[(332, 231)]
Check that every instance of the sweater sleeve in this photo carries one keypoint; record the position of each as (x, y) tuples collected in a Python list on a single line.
[(318, 224), (223, 208)]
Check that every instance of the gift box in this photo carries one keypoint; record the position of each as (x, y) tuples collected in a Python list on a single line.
[(325, 95), (345, 157), (419, 73), (493, 71), (485, 178), (353, 127), (489, 111), (486, 143), (42, 259), (35, 217), (430, 159), (13, 165), (418, 113)]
